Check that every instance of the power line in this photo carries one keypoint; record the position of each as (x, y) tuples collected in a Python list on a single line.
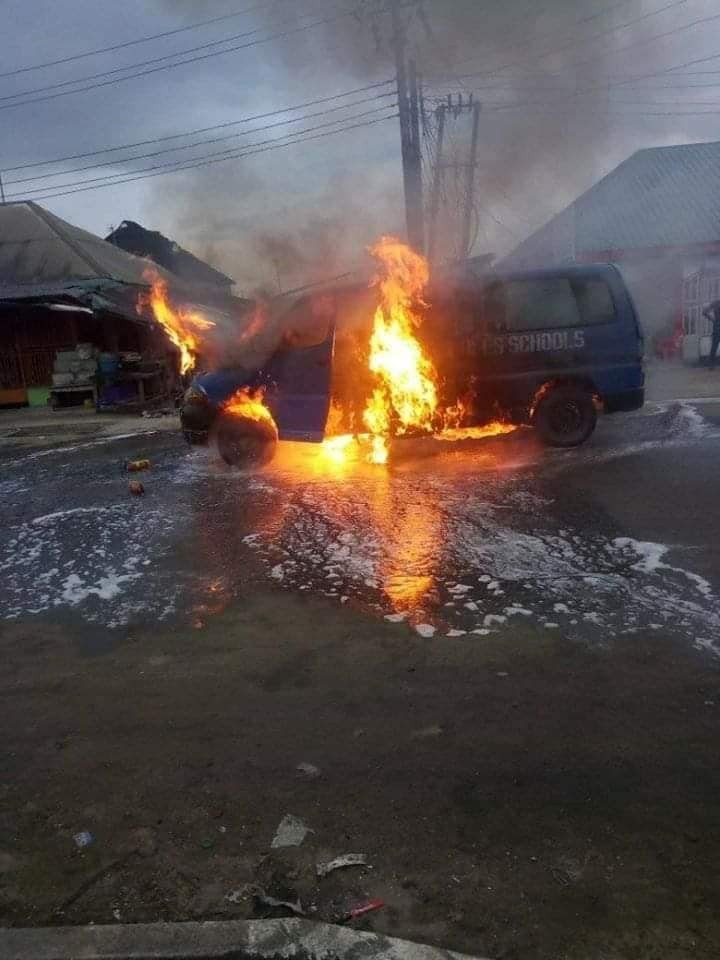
[(218, 153), (660, 36), (570, 98), (572, 41), (484, 89), (199, 130), (576, 23), (170, 66), (131, 43), (636, 43), (666, 70), (549, 107), (179, 166), (154, 66), (207, 141)]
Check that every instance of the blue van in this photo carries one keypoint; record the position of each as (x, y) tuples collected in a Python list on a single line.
[(545, 348)]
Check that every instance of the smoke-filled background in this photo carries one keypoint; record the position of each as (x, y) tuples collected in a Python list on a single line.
[(568, 90)]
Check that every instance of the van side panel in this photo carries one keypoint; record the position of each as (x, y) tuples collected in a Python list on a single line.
[(600, 346)]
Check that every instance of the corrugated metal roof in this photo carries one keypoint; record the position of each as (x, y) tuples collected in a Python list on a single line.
[(42, 256), (36, 247), (658, 197), (663, 196)]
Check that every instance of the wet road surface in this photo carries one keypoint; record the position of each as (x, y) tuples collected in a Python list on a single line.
[(460, 544), (529, 760)]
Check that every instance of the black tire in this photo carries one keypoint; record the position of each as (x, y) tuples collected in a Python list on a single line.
[(566, 416), (243, 442)]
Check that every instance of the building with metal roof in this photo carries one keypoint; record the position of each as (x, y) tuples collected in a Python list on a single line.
[(657, 216), (61, 285)]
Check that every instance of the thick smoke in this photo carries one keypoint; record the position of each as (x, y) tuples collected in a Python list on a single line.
[(287, 217)]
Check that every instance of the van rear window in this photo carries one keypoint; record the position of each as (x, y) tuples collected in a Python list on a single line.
[(547, 303), (595, 301)]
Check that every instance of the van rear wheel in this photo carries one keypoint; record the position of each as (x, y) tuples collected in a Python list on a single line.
[(566, 416)]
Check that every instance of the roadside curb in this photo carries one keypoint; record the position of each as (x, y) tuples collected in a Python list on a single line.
[(236, 939)]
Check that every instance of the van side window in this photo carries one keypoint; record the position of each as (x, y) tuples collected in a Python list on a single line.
[(540, 304), (595, 302)]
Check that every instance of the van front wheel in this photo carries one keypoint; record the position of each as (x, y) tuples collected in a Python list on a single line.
[(566, 416), (244, 442)]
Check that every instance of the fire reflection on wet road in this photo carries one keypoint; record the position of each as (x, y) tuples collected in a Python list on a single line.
[(457, 544)]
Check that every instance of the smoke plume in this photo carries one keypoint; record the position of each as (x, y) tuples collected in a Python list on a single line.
[(289, 217)]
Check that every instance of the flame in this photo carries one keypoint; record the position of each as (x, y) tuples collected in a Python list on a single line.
[(250, 404), (406, 397), (339, 450), (495, 428), (182, 326)]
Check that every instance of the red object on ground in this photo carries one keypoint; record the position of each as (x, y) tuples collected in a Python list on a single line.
[(668, 347), (365, 908)]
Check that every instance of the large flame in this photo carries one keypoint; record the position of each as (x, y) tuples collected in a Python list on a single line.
[(249, 403), (406, 396), (183, 327)]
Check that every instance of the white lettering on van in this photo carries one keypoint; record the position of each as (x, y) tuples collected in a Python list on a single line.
[(547, 342)]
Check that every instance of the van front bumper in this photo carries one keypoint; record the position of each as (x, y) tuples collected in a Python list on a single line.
[(196, 419)]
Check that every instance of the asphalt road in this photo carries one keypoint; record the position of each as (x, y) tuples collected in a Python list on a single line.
[(598, 541), (502, 661)]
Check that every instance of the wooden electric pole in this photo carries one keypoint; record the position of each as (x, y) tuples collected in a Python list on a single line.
[(437, 178), (408, 108), (462, 227), (470, 183)]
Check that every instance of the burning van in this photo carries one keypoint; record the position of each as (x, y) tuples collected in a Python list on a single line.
[(465, 355), (274, 385)]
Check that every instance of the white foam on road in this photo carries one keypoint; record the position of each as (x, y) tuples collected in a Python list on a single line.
[(86, 558), (74, 447), (651, 560)]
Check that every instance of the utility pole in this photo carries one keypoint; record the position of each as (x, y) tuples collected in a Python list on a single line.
[(437, 179), (461, 227), (2, 190), (470, 183), (408, 109)]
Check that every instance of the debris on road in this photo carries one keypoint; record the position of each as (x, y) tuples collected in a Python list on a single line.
[(83, 839), (238, 894), (136, 488), (290, 832), (347, 860), (362, 909), (426, 732), (308, 770), (425, 629), (265, 900), (135, 466)]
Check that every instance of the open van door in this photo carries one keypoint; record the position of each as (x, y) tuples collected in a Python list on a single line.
[(300, 370)]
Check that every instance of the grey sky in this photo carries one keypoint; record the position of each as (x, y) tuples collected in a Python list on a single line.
[(323, 200)]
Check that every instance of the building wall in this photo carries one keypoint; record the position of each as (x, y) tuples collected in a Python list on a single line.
[(655, 285)]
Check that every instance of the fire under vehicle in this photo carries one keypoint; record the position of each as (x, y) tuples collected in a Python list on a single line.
[(546, 349)]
